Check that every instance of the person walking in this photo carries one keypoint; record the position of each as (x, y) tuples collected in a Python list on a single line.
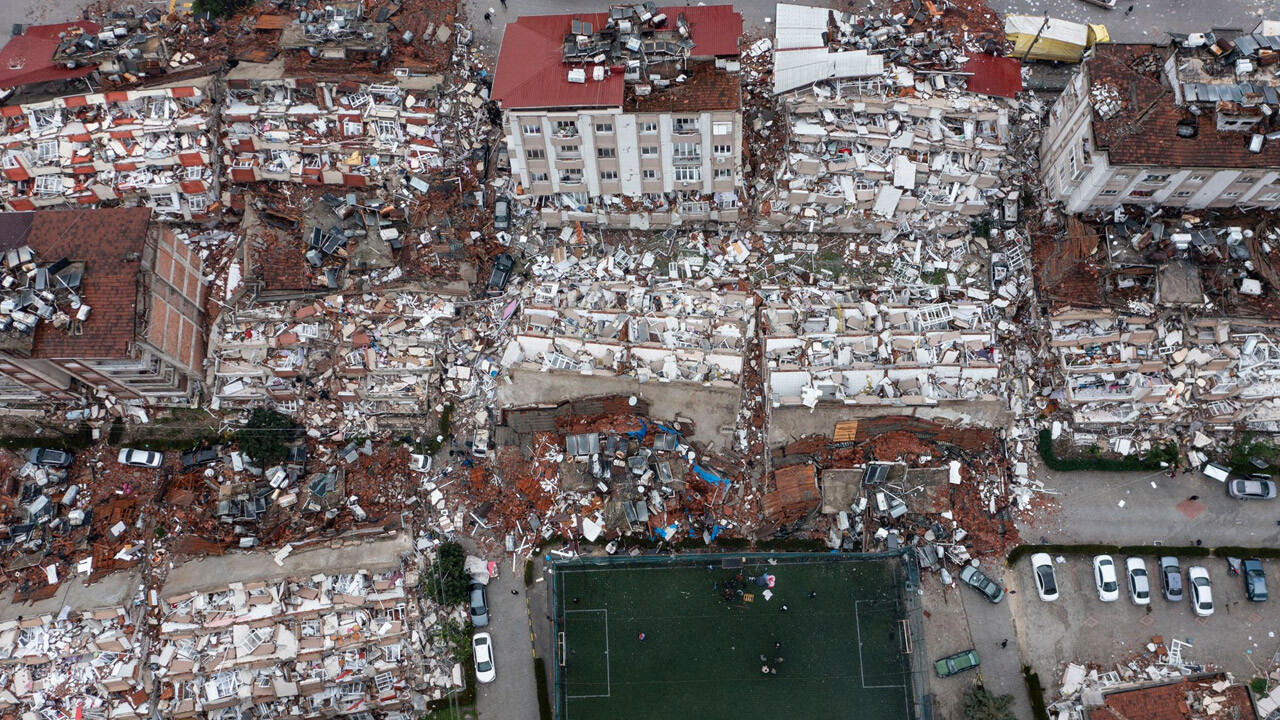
[(1129, 11), (504, 4), (1004, 643), (488, 18)]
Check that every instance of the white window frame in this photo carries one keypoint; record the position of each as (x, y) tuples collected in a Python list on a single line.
[(722, 151), (688, 174), (531, 129), (722, 128), (649, 128), (539, 177), (604, 128), (606, 153), (650, 175), (47, 150), (48, 185), (723, 173), (608, 175), (535, 154), (648, 151)]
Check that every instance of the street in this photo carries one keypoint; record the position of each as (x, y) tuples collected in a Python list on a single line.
[(510, 696), (1155, 509), (1150, 21)]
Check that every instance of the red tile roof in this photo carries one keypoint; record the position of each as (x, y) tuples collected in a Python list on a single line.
[(28, 58), (531, 73), (706, 88), (110, 243), (1145, 131), (1169, 702), (999, 76)]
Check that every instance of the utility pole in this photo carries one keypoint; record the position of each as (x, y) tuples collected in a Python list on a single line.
[(1036, 39)]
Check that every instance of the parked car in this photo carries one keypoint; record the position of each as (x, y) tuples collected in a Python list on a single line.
[(140, 458), (1201, 590), (1255, 580), (1046, 580), (1139, 581), (501, 274), (1108, 4), (482, 653), (1252, 487), (195, 458), (1171, 579), (958, 663), (420, 463), (990, 589), (49, 457), (1104, 577), (501, 214), (478, 600)]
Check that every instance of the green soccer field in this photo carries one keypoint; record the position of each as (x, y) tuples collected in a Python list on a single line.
[(835, 651)]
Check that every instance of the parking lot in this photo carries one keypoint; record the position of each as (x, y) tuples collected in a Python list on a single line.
[(1078, 627)]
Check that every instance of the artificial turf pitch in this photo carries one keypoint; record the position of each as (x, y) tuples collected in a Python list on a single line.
[(842, 650)]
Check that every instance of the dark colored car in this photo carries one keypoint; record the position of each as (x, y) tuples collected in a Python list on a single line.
[(1255, 581), (973, 577), (478, 600), (501, 214), (1171, 579), (501, 275), (958, 663), (49, 457), (195, 458)]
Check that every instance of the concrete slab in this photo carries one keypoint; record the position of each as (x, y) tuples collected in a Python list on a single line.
[(214, 572), (790, 423), (112, 591)]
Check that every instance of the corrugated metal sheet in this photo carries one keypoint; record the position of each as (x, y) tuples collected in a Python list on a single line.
[(799, 68), (998, 76), (799, 26)]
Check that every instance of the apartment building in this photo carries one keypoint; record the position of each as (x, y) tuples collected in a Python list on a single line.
[(149, 146), (98, 301), (1182, 126), (631, 118)]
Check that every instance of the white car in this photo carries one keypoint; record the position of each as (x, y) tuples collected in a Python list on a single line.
[(1201, 590), (1104, 576), (482, 653), (1046, 580), (1139, 581), (420, 463), (140, 458)]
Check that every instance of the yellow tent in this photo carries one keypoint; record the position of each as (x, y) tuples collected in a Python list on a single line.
[(1050, 38)]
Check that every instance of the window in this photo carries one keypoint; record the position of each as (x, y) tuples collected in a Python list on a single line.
[(686, 125), (691, 174), (48, 185), (47, 150), (1154, 178), (650, 174), (531, 129), (1197, 178), (649, 151), (389, 130), (606, 153), (566, 128), (11, 160), (1109, 192), (571, 175), (1141, 193), (1247, 179), (609, 175), (723, 150), (195, 172), (1123, 176), (649, 128), (197, 203), (604, 128), (724, 173), (1270, 196), (536, 154), (352, 128), (685, 151), (1231, 195), (1183, 193), (569, 152), (721, 128), (538, 177)]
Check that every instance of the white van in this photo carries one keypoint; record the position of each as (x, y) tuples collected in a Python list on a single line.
[(1216, 471)]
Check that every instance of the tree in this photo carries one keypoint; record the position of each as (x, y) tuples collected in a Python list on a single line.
[(446, 580), (981, 704), (263, 438), (217, 8)]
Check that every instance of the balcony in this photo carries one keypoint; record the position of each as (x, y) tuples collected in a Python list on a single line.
[(686, 129), (685, 159)]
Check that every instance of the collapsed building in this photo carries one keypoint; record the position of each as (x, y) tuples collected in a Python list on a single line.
[(1160, 322), (1190, 126), (875, 143), (46, 61), (99, 302), (148, 146), (631, 118)]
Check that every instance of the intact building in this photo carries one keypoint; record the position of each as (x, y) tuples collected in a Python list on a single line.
[(98, 301), (1190, 127), (629, 118)]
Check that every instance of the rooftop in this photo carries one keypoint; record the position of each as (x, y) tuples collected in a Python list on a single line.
[(539, 51), (30, 58), (109, 243), (1139, 120), (1185, 700)]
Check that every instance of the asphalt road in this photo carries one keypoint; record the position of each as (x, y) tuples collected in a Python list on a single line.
[(1001, 668), (1150, 21), (512, 695), (1091, 511)]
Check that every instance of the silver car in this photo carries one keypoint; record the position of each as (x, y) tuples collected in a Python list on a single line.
[(1252, 487)]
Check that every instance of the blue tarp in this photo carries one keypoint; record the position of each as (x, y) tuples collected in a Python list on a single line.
[(710, 476), (639, 434)]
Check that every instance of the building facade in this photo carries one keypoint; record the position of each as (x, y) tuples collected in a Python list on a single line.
[(1178, 127), (599, 132), (115, 308)]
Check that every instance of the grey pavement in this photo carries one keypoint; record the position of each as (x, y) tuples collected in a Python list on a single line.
[(1150, 20), (112, 591), (1001, 669), (1091, 511), (512, 696)]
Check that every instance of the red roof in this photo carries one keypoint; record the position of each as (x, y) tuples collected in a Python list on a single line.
[(999, 76), (28, 58), (531, 74)]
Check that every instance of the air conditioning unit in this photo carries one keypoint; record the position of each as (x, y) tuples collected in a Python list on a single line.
[(577, 75), (597, 73), (642, 90)]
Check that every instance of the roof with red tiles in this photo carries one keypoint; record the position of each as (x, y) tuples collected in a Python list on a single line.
[(1169, 702), (110, 243), (1145, 131), (706, 87), (531, 73), (28, 58)]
